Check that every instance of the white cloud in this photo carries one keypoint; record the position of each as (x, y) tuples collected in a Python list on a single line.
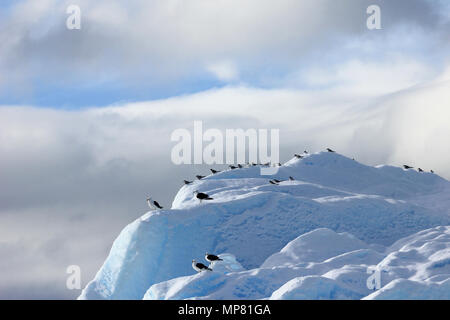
[(224, 70)]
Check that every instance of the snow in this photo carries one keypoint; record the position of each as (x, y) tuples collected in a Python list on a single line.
[(312, 238)]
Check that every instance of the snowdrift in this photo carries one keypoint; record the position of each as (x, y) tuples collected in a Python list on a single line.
[(417, 267), (356, 213)]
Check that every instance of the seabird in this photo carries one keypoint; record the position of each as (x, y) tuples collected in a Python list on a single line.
[(420, 170), (298, 156), (211, 257), (214, 171), (330, 150), (431, 171), (199, 267), (407, 167), (232, 167), (254, 164), (291, 178), (266, 164), (240, 166), (273, 182), (199, 177), (187, 182), (276, 180), (202, 196), (153, 204), (305, 152)]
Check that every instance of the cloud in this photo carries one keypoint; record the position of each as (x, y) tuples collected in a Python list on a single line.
[(150, 43), (223, 70)]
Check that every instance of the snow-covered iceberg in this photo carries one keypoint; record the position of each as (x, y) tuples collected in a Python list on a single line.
[(321, 230)]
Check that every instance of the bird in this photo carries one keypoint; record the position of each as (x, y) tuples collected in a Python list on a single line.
[(240, 166), (298, 156), (305, 152), (431, 171), (214, 171), (187, 182), (420, 170), (273, 182), (153, 204), (254, 164), (202, 196), (407, 167), (211, 257), (199, 177), (276, 180), (330, 150), (291, 178), (199, 267), (266, 164), (232, 167)]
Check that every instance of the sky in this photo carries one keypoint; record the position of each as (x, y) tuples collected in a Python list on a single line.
[(86, 115)]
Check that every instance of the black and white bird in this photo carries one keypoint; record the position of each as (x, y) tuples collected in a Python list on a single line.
[(199, 177), (291, 178), (153, 204), (187, 182), (407, 167), (266, 164), (276, 180), (199, 267), (420, 170), (305, 152), (273, 182), (298, 156), (330, 150), (214, 171), (202, 196), (240, 166), (212, 258), (431, 171), (232, 167)]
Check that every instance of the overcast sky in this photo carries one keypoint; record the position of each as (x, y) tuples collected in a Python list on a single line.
[(86, 115)]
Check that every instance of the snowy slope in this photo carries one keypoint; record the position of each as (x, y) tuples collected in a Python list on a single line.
[(253, 219), (417, 267)]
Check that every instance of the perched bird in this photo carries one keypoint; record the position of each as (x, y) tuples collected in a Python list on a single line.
[(202, 196), (211, 257), (254, 164), (153, 204), (305, 152), (240, 166), (199, 177), (407, 167), (431, 171), (266, 164), (187, 182), (232, 167), (420, 170), (214, 171), (199, 267), (276, 180), (291, 178), (329, 150), (273, 182), (298, 156)]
